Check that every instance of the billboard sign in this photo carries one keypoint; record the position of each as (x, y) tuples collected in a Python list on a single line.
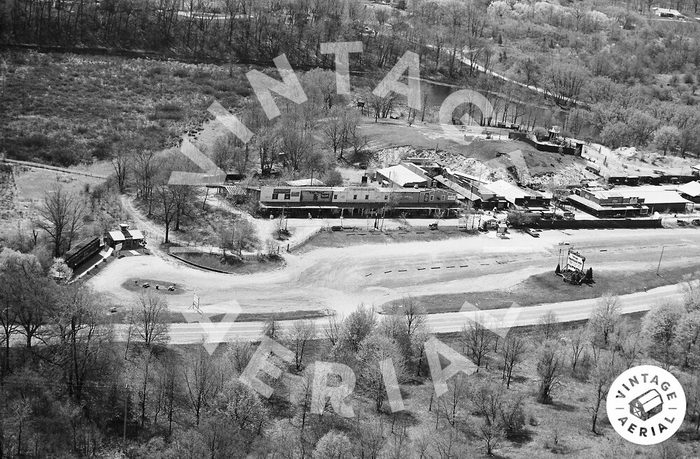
[(575, 261)]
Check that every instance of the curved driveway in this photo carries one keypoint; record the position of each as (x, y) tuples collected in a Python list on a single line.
[(341, 278)]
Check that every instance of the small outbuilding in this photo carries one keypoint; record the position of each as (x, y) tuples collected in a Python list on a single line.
[(690, 191), (130, 239)]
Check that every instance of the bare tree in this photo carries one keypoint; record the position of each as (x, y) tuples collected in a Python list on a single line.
[(301, 332), (78, 324), (201, 380), (577, 343), (513, 352), (150, 319), (373, 350), (17, 274), (297, 143), (451, 403), (145, 169), (549, 370), (332, 331), (121, 163), (61, 217), (488, 400), (548, 326), (335, 129), (603, 374), (167, 206), (604, 321), (477, 339)]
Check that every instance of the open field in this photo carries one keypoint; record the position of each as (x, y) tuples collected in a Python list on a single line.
[(361, 236), (548, 287), (66, 109), (231, 264), (25, 189)]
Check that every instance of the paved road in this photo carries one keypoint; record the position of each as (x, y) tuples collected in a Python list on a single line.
[(341, 278), (498, 320)]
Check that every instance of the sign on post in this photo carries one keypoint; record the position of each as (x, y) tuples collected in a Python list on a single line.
[(575, 261)]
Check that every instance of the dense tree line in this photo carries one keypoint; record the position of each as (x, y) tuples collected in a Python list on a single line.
[(70, 389)]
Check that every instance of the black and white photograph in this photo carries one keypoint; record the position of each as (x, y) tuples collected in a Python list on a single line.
[(339, 229)]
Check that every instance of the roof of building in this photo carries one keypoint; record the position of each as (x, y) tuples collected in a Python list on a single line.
[(457, 188), (467, 176), (662, 197), (606, 194), (235, 190), (195, 179), (136, 234), (305, 182), (401, 175), (510, 191), (691, 189), (660, 10), (117, 236), (597, 207)]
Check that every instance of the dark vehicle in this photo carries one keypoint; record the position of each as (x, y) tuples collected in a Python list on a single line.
[(336, 228), (682, 223), (696, 221), (433, 226), (532, 232)]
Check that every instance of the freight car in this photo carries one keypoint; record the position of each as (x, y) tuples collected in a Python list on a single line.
[(82, 251)]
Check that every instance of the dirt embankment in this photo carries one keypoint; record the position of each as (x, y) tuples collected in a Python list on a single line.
[(496, 160)]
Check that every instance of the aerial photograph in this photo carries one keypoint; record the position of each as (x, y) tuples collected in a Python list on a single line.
[(376, 229)]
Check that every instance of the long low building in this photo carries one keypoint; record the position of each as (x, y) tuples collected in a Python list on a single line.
[(519, 198), (628, 203), (357, 200)]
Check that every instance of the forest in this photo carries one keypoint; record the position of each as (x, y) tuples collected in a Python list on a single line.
[(610, 72), (71, 388)]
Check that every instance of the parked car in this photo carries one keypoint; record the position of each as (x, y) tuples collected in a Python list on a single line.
[(532, 232), (696, 221), (433, 226), (682, 222)]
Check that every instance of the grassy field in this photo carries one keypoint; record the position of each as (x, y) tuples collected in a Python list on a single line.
[(65, 109), (549, 288), (231, 264), (360, 236), (22, 191)]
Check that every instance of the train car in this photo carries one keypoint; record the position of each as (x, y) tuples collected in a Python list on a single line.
[(82, 251)]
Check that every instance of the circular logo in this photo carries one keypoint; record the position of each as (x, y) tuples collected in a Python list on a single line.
[(646, 405)]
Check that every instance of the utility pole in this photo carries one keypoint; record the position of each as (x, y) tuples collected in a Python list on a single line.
[(660, 257), (126, 399)]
